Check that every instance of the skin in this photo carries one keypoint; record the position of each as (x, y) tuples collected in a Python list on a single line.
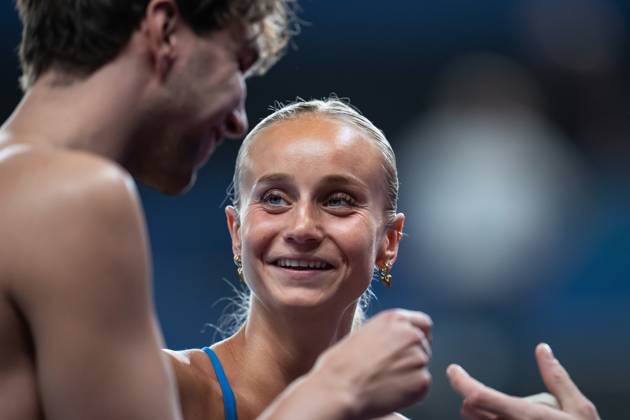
[(484, 403), (305, 196), (77, 325)]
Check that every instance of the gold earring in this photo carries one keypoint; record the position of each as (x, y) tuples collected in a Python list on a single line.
[(239, 267), (385, 274)]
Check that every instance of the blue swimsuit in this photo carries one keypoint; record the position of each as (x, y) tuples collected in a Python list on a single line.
[(229, 403)]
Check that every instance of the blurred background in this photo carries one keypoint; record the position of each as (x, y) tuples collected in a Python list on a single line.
[(511, 122)]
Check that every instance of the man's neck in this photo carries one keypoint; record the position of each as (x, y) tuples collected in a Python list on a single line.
[(96, 114)]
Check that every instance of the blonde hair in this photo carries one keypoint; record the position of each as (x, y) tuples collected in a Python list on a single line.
[(335, 108)]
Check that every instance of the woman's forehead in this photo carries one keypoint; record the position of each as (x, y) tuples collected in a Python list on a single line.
[(316, 143)]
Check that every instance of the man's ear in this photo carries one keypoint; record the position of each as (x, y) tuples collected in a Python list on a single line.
[(388, 249), (234, 227), (160, 26)]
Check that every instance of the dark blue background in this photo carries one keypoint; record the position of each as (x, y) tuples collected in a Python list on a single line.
[(391, 58)]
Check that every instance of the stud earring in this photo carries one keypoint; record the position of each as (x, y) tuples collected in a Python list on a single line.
[(239, 267), (385, 274)]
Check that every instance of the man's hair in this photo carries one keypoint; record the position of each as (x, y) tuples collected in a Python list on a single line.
[(76, 37)]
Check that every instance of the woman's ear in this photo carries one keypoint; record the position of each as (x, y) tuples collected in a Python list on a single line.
[(234, 227), (388, 249)]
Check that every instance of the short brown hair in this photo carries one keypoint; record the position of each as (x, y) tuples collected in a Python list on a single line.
[(76, 37)]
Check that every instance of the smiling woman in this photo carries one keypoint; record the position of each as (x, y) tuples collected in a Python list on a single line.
[(313, 216), (310, 188)]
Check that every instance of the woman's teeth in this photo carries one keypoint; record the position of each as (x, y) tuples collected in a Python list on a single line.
[(302, 264)]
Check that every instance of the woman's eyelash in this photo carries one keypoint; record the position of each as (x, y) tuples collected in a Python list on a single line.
[(338, 199), (270, 196), (347, 198)]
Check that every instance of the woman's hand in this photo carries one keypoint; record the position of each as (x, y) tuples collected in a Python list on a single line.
[(484, 403)]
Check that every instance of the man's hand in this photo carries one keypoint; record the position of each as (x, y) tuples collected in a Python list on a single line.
[(377, 369), (484, 403), (384, 363)]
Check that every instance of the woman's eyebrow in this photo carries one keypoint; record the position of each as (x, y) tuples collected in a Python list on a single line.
[(275, 178), (343, 180)]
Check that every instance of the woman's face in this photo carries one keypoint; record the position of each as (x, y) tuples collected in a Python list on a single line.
[(311, 218)]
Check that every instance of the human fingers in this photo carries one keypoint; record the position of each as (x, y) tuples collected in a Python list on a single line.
[(409, 359), (417, 319), (558, 381), (461, 381), (543, 398), (418, 382), (426, 345), (469, 412), (480, 397)]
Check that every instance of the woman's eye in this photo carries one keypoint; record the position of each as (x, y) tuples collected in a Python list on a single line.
[(340, 200), (274, 199)]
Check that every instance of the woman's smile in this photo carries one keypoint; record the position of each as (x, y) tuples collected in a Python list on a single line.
[(312, 213)]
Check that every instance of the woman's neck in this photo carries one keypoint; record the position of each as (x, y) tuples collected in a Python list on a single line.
[(272, 349)]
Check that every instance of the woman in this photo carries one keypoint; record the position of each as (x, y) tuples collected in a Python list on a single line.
[(314, 212)]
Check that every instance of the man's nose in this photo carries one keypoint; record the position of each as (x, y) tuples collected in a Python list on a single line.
[(236, 121)]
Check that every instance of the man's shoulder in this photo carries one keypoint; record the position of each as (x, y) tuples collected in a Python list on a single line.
[(57, 203), (25, 169), (48, 185)]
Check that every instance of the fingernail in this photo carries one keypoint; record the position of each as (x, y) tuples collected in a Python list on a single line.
[(547, 348), (454, 367), (450, 369)]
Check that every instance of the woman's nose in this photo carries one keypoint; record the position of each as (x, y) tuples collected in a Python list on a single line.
[(305, 228)]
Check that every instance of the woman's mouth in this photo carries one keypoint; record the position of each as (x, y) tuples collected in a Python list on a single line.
[(302, 264)]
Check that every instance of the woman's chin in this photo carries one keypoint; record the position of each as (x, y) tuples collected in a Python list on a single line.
[(301, 298)]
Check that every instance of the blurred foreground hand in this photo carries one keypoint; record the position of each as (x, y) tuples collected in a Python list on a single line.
[(484, 403)]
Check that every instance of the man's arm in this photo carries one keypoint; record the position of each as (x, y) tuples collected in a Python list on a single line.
[(82, 270), (380, 368)]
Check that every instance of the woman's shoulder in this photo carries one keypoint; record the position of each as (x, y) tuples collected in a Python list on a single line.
[(190, 359), (192, 367), (393, 416), (199, 392)]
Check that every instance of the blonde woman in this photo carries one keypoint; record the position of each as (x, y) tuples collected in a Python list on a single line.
[(314, 214)]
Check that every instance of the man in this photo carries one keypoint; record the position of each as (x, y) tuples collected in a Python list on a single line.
[(145, 88), (142, 87)]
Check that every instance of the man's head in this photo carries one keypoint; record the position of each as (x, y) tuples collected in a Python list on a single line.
[(76, 37), (190, 56)]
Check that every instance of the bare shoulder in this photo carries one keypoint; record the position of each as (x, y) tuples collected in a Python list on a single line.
[(48, 178), (393, 416), (54, 201), (199, 392), (28, 173), (192, 367), (189, 360)]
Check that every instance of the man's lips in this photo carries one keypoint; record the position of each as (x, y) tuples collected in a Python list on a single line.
[(210, 142)]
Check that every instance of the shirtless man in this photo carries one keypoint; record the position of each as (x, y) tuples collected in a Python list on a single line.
[(112, 88), (148, 88)]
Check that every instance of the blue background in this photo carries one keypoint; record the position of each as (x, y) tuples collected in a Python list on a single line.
[(554, 268)]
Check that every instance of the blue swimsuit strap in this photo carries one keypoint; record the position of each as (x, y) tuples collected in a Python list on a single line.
[(229, 402)]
